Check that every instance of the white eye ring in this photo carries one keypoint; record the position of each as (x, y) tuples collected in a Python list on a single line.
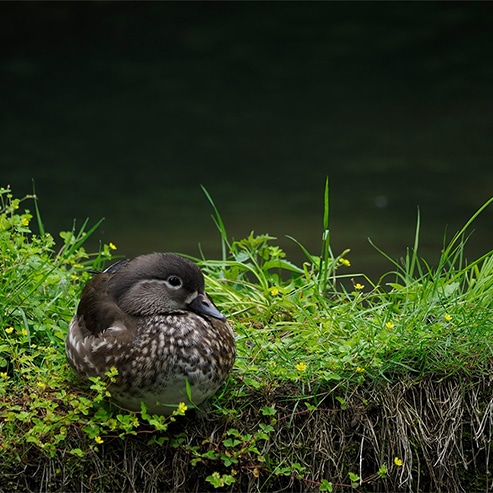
[(173, 282)]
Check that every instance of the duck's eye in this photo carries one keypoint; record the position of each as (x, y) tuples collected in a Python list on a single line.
[(174, 281)]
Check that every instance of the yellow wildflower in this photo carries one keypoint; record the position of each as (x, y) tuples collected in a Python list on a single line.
[(24, 332), (41, 385), (98, 439), (274, 291), (9, 330), (398, 462), (448, 317), (25, 221), (3, 374), (360, 370), (359, 286), (112, 246), (389, 325), (182, 407), (345, 262), (301, 366)]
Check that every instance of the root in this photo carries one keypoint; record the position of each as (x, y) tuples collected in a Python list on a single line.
[(440, 432)]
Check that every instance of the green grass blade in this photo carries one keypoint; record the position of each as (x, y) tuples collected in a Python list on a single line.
[(38, 214), (219, 224)]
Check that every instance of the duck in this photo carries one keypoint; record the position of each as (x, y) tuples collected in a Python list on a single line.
[(150, 318)]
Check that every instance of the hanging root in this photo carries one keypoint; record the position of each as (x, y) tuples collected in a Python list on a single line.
[(427, 435)]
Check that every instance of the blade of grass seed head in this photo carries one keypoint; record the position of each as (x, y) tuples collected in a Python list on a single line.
[(219, 224)]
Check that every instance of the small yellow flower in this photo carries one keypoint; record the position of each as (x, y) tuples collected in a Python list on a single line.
[(98, 439), (74, 277), (3, 374), (24, 332), (274, 291), (182, 407), (78, 266), (25, 221), (9, 330), (345, 262), (359, 286), (398, 462), (389, 325), (360, 370), (112, 246), (41, 385), (300, 366), (448, 317)]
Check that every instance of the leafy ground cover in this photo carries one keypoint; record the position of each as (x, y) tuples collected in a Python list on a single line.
[(340, 383)]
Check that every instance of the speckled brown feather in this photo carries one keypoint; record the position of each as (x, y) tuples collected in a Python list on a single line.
[(129, 317)]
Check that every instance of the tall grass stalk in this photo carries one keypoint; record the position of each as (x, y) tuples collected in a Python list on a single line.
[(219, 224)]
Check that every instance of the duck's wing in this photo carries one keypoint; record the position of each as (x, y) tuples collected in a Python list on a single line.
[(98, 310)]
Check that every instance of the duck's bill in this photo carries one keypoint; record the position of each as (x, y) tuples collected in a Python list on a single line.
[(202, 304)]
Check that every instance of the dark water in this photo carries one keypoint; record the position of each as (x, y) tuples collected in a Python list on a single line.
[(122, 110)]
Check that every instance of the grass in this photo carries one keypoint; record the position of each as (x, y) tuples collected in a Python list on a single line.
[(338, 385)]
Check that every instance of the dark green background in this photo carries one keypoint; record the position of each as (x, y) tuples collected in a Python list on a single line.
[(121, 110)]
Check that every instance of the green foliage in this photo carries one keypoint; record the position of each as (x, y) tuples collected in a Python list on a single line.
[(234, 450), (39, 286), (308, 334), (38, 294), (309, 326)]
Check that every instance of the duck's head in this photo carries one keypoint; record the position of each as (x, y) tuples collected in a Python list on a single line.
[(159, 283)]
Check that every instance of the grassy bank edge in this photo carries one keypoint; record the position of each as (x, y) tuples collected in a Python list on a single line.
[(314, 347)]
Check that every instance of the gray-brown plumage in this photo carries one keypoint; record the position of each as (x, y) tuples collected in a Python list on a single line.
[(149, 317)]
